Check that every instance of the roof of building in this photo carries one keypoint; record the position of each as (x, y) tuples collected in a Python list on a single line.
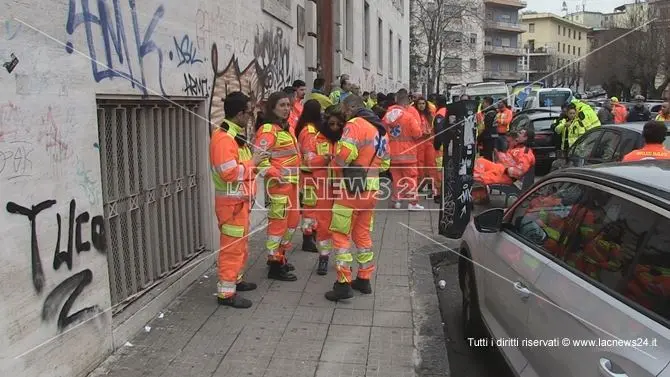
[(540, 16)]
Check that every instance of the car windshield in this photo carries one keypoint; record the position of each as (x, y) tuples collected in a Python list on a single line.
[(542, 124), (554, 98)]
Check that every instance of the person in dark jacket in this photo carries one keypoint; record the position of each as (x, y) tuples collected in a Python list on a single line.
[(605, 113), (639, 112), (490, 133)]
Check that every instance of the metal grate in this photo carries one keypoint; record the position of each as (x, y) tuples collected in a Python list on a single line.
[(152, 190)]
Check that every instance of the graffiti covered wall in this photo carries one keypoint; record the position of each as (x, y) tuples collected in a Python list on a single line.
[(56, 317)]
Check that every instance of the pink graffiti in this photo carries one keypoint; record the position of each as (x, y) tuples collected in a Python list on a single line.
[(55, 145)]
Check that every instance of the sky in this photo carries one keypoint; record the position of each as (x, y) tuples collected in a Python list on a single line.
[(554, 6)]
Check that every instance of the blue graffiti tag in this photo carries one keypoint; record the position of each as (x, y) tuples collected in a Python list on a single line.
[(115, 41), (186, 52)]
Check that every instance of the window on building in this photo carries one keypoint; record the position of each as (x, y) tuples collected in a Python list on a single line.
[(579, 51), (453, 65), (380, 44), (399, 77), (531, 28), (564, 48), (473, 65), (559, 29), (559, 46), (506, 42), (473, 38), (580, 35), (349, 25), (366, 33), (391, 53), (569, 33), (564, 30)]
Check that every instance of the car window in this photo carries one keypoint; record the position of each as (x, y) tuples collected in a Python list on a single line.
[(656, 108), (610, 231), (627, 145), (649, 279), (543, 124), (607, 146), (543, 218), (554, 98), (584, 146), (519, 122)]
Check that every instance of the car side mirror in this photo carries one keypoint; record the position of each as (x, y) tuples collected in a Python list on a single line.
[(489, 221)]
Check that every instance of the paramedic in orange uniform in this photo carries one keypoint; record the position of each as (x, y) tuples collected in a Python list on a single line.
[(363, 146), (511, 165), (503, 120), (425, 150), (280, 172), (404, 129), (233, 172), (306, 130), (654, 135)]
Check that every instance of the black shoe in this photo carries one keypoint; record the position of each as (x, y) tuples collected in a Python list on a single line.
[(245, 286), (235, 301), (362, 285), (308, 243), (287, 264), (341, 291), (322, 269), (280, 272)]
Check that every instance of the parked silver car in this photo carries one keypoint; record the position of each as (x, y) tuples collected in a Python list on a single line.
[(574, 278)]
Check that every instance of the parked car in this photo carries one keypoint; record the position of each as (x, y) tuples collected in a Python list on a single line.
[(541, 120), (606, 143), (575, 274)]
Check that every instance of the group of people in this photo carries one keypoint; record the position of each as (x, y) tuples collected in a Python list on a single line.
[(320, 157), (614, 112)]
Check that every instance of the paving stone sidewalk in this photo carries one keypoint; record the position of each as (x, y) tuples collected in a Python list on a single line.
[(292, 330)]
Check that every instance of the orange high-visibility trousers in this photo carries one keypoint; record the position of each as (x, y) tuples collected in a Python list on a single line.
[(426, 155), (283, 220), (353, 218), (404, 183), (233, 221), (322, 214), (307, 207)]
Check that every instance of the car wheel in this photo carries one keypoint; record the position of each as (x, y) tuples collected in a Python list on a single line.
[(473, 325)]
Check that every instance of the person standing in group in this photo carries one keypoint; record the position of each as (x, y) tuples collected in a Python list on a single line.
[(306, 131), (338, 94), (234, 169), (299, 88), (606, 112), (318, 93), (281, 174), (404, 130), (639, 112), (425, 150), (654, 135), (439, 126), (503, 121), (362, 152), (664, 114), (318, 152), (620, 111), (489, 133)]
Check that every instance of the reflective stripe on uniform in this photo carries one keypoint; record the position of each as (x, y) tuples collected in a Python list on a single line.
[(365, 258), (403, 157), (288, 236), (272, 244), (226, 166), (236, 231), (226, 288), (283, 153), (240, 173)]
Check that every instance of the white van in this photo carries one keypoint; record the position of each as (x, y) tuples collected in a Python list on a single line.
[(552, 98)]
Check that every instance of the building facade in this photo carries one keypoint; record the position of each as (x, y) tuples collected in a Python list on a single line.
[(503, 47), (558, 47), (104, 129)]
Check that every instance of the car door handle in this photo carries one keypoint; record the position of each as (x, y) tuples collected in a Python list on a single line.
[(522, 290), (605, 368)]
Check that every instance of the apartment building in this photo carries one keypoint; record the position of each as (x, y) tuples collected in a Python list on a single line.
[(503, 45), (624, 16), (558, 47)]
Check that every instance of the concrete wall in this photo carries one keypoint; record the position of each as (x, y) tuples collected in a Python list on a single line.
[(55, 318)]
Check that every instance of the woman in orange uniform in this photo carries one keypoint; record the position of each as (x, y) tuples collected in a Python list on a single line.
[(280, 172), (426, 153)]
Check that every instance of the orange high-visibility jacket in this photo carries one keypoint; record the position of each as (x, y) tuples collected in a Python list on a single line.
[(304, 140), (620, 113), (512, 165), (284, 160), (648, 152), (403, 126), (503, 120), (296, 111), (432, 108), (233, 171), (357, 146), (316, 149)]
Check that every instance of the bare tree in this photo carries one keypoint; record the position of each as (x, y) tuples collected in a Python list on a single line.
[(630, 55), (435, 27)]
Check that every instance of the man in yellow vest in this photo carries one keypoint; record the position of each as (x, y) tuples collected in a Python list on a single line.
[(234, 168), (319, 94), (664, 114)]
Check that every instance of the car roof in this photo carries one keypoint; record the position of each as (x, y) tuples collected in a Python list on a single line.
[(635, 126), (651, 177)]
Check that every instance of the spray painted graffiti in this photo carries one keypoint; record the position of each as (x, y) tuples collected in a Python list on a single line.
[(185, 52), (61, 299), (15, 160), (87, 184), (53, 139), (11, 29), (272, 53), (195, 86), (116, 60), (204, 22), (9, 120)]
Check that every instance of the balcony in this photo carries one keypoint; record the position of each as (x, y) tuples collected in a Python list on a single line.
[(504, 26), (507, 51), (507, 3), (503, 75)]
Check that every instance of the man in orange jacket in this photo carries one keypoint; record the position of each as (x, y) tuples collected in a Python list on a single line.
[(620, 111), (233, 171), (654, 135), (281, 172), (511, 165), (404, 128), (300, 89), (363, 148), (503, 120)]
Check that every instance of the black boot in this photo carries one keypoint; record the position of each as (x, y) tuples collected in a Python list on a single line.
[(245, 286), (308, 243), (280, 272), (235, 301), (322, 269), (362, 285), (341, 291), (287, 264)]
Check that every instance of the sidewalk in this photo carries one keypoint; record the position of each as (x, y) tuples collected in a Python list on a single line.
[(293, 331)]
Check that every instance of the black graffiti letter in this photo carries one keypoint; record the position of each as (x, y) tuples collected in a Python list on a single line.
[(98, 233), (31, 214), (65, 256), (75, 284), (81, 246)]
